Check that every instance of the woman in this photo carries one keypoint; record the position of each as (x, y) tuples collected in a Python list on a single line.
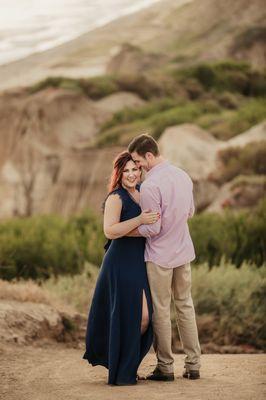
[(119, 331)]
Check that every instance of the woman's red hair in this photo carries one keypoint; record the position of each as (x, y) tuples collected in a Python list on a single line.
[(118, 167)]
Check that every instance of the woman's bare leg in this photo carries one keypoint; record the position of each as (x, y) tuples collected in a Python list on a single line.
[(145, 314)]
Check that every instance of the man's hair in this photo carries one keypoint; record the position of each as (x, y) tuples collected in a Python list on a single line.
[(143, 144)]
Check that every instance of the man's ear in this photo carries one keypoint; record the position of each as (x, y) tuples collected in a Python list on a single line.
[(149, 155)]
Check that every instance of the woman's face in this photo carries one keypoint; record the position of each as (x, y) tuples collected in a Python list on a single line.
[(131, 175)]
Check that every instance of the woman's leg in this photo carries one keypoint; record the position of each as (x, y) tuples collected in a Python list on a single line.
[(145, 314)]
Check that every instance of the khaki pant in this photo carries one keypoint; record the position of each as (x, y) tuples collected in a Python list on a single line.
[(176, 282)]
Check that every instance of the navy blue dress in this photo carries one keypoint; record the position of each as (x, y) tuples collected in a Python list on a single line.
[(113, 336)]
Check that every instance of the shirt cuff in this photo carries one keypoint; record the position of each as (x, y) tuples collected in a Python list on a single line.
[(143, 231)]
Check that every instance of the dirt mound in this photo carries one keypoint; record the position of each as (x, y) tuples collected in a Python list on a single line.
[(131, 60), (28, 323)]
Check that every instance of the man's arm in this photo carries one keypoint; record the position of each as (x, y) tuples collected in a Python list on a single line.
[(150, 199)]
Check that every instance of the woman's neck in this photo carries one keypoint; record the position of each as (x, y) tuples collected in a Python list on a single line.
[(130, 190)]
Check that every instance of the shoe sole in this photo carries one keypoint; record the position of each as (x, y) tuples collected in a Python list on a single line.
[(163, 379), (193, 377)]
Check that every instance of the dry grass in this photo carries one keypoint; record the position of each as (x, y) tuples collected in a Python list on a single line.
[(65, 293), (24, 291)]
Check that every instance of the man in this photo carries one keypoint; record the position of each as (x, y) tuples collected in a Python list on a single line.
[(168, 253)]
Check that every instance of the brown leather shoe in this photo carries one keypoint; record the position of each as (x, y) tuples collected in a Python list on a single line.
[(191, 374), (157, 375)]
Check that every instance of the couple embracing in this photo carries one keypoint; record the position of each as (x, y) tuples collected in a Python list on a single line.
[(147, 261)]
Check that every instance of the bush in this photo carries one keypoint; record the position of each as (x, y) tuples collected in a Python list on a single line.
[(128, 115), (249, 114), (175, 116), (39, 247), (248, 160), (229, 302), (75, 291), (236, 237), (99, 87), (249, 37), (153, 118), (148, 87), (235, 300), (229, 123), (42, 247), (228, 76), (94, 88)]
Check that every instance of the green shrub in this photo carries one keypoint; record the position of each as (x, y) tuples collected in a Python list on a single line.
[(236, 237), (228, 76), (249, 37), (235, 300), (250, 113), (121, 134), (75, 291), (153, 118), (148, 88), (231, 300), (94, 88), (99, 87), (229, 123), (55, 82), (248, 160), (39, 247), (175, 116), (131, 114)]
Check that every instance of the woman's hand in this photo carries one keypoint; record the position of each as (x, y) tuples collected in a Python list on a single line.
[(147, 217)]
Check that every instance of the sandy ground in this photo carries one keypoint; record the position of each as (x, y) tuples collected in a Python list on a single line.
[(55, 373)]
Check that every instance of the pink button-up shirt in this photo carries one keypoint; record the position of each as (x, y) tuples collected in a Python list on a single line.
[(168, 190)]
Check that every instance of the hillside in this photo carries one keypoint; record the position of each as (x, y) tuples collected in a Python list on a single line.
[(59, 135), (177, 31)]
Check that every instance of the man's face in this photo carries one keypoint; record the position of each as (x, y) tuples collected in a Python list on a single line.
[(141, 162)]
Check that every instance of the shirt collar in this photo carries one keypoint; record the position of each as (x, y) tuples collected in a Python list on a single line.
[(157, 167)]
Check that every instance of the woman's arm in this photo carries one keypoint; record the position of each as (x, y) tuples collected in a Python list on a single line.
[(134, 233), (114, 229)]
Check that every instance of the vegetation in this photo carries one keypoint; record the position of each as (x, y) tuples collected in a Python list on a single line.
[(44, 246), (226, 98), (95, 88), (228, 76), (249, 37), (248, 160), (229, 302), (156, 116), (235, 237)]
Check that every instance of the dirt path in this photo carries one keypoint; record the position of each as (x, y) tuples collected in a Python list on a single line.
[(55, 373)]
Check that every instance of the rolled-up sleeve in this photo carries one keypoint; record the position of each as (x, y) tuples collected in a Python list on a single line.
[(192, 205), (150, 199), (192, 208)]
